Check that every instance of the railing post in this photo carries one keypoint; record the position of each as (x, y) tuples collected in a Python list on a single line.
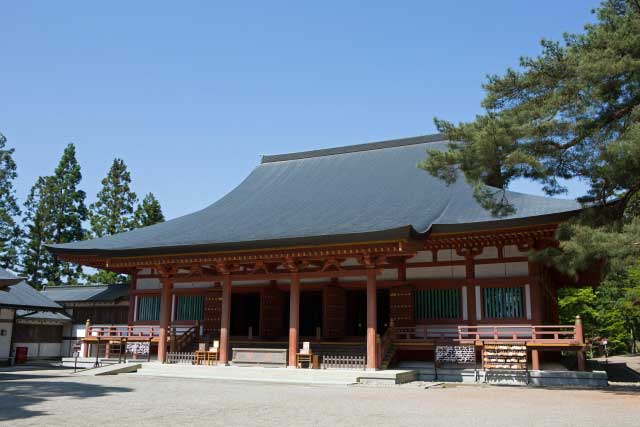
[(579, 333), (378, 351), (580, 338)]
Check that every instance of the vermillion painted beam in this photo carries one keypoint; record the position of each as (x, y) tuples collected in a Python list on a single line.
[(225, 320), (372, 319), (294, 318)]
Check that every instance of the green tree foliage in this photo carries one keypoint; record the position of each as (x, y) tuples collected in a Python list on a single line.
[(39, 231), (54, 212), (113, 211), (10, 231), (572, 112), (149, 212)]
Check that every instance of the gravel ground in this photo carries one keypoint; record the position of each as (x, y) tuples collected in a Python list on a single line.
[(53, 397)]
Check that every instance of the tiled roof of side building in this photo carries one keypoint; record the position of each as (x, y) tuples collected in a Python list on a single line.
[(22, 296), (105, 293), (8, 278), (365, 192)]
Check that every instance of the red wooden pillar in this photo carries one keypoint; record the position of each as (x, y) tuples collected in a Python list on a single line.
[(372, 319), (165, 318), (294, 318), (535, 360), (87, 333), (225, 320), (582, 362)]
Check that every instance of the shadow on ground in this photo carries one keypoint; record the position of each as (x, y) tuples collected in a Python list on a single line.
[(19, 391)]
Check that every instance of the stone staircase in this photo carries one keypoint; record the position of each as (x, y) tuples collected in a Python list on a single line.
[(388, 357)]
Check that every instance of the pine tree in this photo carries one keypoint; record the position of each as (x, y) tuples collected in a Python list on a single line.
[(113, 212), (55, 211), (573, 112), (149, 212), (10, 232), (36, 260), (69, 211)]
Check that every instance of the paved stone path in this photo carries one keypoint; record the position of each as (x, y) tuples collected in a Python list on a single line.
[(51, 397)]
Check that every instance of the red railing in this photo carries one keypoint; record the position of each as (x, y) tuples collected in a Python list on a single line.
[(531, 333), (134, 331), (569, 334), (122, 331)]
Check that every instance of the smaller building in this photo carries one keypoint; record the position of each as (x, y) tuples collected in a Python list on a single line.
[(28, 320), (104, 305)]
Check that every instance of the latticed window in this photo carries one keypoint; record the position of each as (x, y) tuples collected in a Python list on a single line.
[(149, 307), (190, 307), (436, 304), (503, 303)]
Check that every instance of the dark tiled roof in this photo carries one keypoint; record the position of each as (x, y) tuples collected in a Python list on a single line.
[(42, 315), (106, 293), (21, 295), (357, 193), (8, 278)]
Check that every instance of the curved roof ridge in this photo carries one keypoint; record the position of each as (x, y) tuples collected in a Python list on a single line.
[(436, 137)]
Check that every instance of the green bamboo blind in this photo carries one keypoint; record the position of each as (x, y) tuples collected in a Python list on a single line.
[(502, 303), (149, 308), (190, 307), (436, 304)]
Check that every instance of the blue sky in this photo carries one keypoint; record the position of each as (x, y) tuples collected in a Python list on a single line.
[(190, 94)]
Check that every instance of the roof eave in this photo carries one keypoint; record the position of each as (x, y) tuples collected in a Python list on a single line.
[(395, 234)]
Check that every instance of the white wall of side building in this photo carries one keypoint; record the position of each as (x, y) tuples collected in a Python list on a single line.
[(6, 331)]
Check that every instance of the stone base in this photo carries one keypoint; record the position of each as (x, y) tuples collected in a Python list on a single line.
[(595, 379)]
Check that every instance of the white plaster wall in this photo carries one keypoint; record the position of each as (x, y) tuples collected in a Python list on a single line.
[(513, 251), (446, 272), (449, 255), (192, 285), (350, 262), (422, 256), (489, 252), (388, 274), (6, 314), (148, 284), (354, 279), (5, 340), (41, 350), (501, 269)]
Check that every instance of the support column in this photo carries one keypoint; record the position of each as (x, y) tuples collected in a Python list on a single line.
[(225, 320), (294, 318), (85, 344), (582, 360), (165, 318), (372, 319), (535, 360)]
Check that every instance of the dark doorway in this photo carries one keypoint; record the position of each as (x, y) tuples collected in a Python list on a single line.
[(285, 314), (245, 312), (310, 313), (357, 312)]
